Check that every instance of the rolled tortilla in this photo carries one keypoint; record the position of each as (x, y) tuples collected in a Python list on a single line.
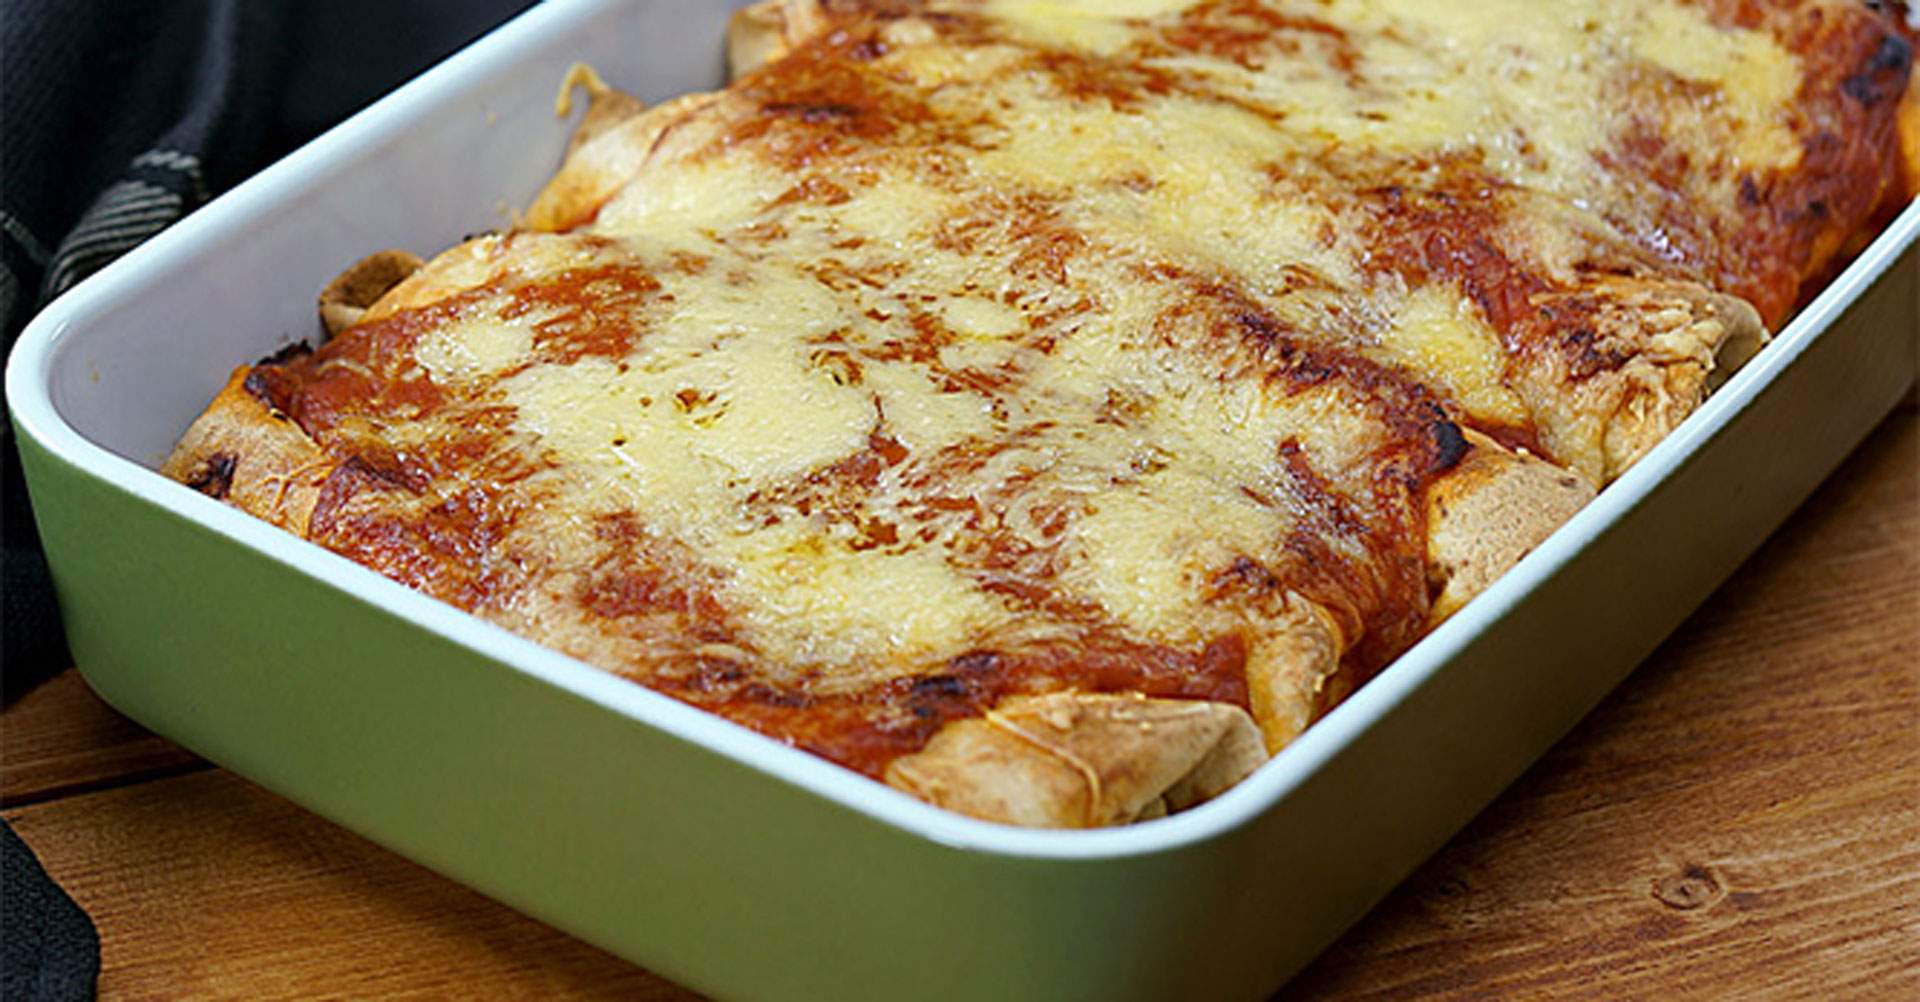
[(1296, 673), (612, 144), (1083, 760), (345, 300), (1488, 512), (765, 31), (243, 451), (1654, 349)]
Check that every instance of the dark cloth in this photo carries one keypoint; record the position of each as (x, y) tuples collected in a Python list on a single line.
[(51, 952), (116, 120)]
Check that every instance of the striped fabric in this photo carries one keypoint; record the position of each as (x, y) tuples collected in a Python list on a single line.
[(125, 215)]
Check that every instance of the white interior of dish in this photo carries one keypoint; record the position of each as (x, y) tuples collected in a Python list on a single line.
[(110, 375)]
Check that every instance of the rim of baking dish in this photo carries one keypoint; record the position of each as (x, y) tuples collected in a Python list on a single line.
[(29, 387)]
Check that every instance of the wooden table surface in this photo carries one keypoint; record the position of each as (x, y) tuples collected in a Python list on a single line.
[(1741, 819)]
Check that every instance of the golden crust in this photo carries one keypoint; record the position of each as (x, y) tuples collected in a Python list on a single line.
[(1082, 760), (765, 31), (1297, 674), (606, 106), (598, 165), (1487, 513), (1652, 352), (450, 272), (240, 450)]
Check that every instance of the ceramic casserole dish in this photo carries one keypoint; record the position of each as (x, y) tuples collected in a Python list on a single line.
[(708, 854)]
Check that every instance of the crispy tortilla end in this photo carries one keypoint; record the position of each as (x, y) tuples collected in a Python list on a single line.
[(1487, 513), (345, 299), (1083, 760), (243, 452), (765, 31), (1297, 672), (613, 143)]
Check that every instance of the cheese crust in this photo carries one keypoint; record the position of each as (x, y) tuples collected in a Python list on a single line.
[(1050, 409)]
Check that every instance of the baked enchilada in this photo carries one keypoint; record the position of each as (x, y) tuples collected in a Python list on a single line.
[(1050, 409)]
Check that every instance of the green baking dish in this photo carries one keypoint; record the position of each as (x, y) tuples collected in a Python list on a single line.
[(706, 853)]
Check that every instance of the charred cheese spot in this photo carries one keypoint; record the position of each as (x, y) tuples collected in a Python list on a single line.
[(214, 477)]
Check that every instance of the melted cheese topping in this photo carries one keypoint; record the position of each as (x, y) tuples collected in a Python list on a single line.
[(1115, 321), (725, 404), (763, 374)]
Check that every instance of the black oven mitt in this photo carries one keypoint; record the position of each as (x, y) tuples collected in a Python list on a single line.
[(51, 951)]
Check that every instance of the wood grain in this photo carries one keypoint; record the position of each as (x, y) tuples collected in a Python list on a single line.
[(61, 739), (1740, 820), (204, 886)]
